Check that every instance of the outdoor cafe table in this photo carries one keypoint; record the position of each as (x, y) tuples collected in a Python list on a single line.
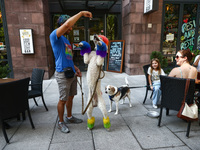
[(7, 80)]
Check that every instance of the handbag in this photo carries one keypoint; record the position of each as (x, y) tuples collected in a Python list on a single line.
[(69, 72), (188, 112)]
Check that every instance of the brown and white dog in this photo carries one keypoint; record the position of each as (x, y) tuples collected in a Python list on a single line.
[(118, 93)]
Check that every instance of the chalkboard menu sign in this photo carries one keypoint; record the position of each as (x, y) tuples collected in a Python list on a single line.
[(115, 56)]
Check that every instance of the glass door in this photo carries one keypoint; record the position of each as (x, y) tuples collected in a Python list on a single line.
[(84, 30), (75, 37), (96, 26)]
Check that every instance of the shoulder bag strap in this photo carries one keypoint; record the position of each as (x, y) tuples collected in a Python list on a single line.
[(186, 89)]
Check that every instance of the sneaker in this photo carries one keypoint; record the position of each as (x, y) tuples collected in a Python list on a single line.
[(154, 106), (63, 128), (73, 120)]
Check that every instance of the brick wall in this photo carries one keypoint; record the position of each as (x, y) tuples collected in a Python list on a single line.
[(32, 14), (140, 40)]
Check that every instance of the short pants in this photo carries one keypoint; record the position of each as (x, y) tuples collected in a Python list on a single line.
[(67, 87)]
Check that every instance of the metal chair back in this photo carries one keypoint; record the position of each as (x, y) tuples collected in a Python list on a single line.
[(145, 68)]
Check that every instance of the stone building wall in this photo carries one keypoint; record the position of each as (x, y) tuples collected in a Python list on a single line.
[(33, 14), (140, 40)]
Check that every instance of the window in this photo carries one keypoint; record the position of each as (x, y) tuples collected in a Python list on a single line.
[(198, 39), (3, 50), (180, 25), (171, 19), (188, 26)]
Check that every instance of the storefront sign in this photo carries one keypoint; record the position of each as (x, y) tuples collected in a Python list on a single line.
[(26, 39), (150, 5)]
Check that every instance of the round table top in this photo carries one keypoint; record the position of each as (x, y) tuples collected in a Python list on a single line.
[(7, 80)]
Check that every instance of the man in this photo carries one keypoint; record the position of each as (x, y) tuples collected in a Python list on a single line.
[(64, 59)]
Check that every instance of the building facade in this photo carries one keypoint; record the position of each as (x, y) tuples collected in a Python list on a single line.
[(32, 14), (173, 25)]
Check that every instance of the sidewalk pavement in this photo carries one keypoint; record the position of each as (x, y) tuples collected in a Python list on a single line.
[(130, 129)]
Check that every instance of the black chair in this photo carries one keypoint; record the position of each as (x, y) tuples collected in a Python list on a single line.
[(14, 100), (145, 68), (36, 85), (173, 90)]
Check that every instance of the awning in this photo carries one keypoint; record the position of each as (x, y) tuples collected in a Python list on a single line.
[(66, 6)]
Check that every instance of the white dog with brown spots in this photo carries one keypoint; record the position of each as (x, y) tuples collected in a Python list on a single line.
[(118, 93)]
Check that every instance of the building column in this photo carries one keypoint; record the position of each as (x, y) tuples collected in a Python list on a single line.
[(142, 34)]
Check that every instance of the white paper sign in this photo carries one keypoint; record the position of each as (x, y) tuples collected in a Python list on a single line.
[(170, 37), (26, 41)]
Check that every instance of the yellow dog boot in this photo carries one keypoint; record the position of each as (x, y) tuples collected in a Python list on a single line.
[(106, 123), (90, 123)]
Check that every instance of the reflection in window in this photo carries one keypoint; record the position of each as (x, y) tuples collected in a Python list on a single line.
[(112, 27), (188, 26), (75, 36), (198, 39), (170, 30)]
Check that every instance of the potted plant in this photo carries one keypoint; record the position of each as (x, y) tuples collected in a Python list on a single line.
[(4, 70)]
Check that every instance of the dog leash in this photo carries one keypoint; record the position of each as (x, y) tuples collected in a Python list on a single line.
[(138, 86), (80, 84)]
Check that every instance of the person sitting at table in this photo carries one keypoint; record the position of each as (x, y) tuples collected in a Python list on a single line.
[(154, 72), (183, 59)]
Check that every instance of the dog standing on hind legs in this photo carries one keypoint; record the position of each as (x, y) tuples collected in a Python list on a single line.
[(118, 93), (95, 60)]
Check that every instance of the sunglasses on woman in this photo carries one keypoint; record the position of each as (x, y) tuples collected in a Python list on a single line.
[(177, 57)]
